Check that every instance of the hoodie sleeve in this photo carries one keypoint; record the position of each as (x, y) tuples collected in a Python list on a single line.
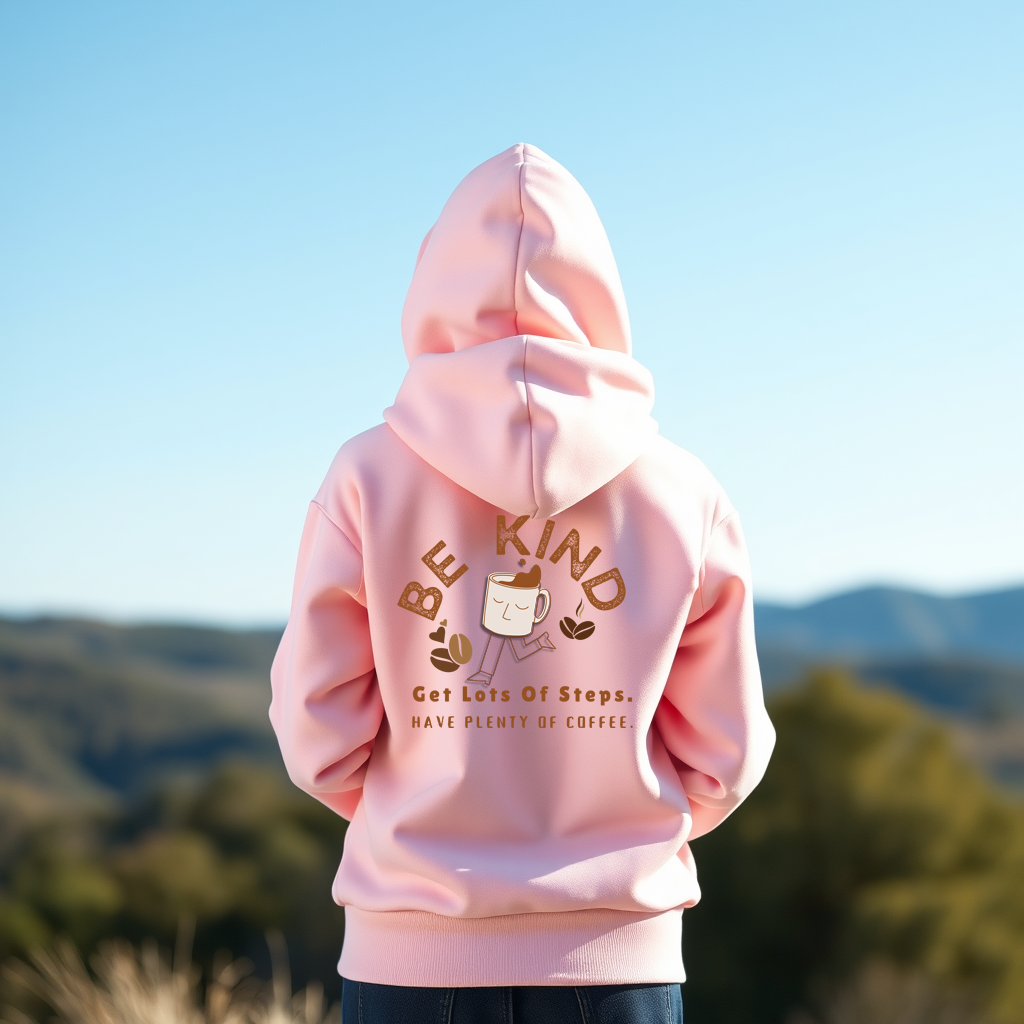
[(712, 716), (326, 707)]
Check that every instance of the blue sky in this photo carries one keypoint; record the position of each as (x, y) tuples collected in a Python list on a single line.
[(209, 215)]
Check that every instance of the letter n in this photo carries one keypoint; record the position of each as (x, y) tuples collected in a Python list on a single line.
[(572, 545)]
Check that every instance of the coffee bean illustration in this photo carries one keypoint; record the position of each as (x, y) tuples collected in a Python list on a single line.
[(576, 630), (440, 658), (461, 648)]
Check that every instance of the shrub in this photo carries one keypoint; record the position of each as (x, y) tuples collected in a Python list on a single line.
[(869, 837)]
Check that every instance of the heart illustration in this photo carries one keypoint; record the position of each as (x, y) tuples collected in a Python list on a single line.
[(438, 635)]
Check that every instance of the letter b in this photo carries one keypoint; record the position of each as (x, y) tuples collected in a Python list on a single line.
[(418, 606)]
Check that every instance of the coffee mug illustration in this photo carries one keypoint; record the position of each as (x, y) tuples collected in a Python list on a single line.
[(511, 602)]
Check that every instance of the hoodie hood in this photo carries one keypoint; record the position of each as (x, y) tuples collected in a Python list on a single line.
[(518, 249), (521, 388)]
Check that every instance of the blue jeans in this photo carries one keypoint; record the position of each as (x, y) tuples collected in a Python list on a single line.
[(363, 1003)]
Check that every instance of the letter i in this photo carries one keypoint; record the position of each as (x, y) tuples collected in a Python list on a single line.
[(549, 526)]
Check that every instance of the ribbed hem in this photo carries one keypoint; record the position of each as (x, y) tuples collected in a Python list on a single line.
[(583, 947)]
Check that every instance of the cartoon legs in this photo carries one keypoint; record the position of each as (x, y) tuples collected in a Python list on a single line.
[(489, 660), (520, 650)]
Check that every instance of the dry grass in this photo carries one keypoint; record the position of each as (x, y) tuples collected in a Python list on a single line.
[(129, 986)]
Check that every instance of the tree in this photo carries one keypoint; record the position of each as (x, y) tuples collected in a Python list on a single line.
[(868, 838), (243, 853)]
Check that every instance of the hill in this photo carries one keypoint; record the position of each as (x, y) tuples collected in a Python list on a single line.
[(963, 657), (92, 712), (148, 751), (886, 622)]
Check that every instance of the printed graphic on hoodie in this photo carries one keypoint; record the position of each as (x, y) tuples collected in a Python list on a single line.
[(514, 603)]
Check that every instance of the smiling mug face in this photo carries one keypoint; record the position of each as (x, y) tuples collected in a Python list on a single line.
[(512, 611)]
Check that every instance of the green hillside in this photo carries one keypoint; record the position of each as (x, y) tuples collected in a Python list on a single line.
[(186, 649), (89, 711), (92, 715), (872, 845), (92, 712), (140, 786)]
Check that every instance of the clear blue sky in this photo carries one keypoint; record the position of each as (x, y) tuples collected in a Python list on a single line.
[(209, 214)]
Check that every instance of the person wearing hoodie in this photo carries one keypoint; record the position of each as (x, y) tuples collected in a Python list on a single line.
[(520, 656)]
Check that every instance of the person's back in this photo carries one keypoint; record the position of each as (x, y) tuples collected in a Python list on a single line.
[(520, 656)]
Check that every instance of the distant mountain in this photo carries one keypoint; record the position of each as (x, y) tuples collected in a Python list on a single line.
[(92, 712), (961, 656), (886, 622), (188, 649)]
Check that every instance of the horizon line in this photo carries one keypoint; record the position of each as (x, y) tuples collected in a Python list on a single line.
[(257, 624)]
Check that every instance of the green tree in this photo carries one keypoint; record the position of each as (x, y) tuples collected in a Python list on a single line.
[(868, 838), (244, 853)]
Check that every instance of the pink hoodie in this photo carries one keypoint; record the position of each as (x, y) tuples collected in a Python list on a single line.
[(520, 656)]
